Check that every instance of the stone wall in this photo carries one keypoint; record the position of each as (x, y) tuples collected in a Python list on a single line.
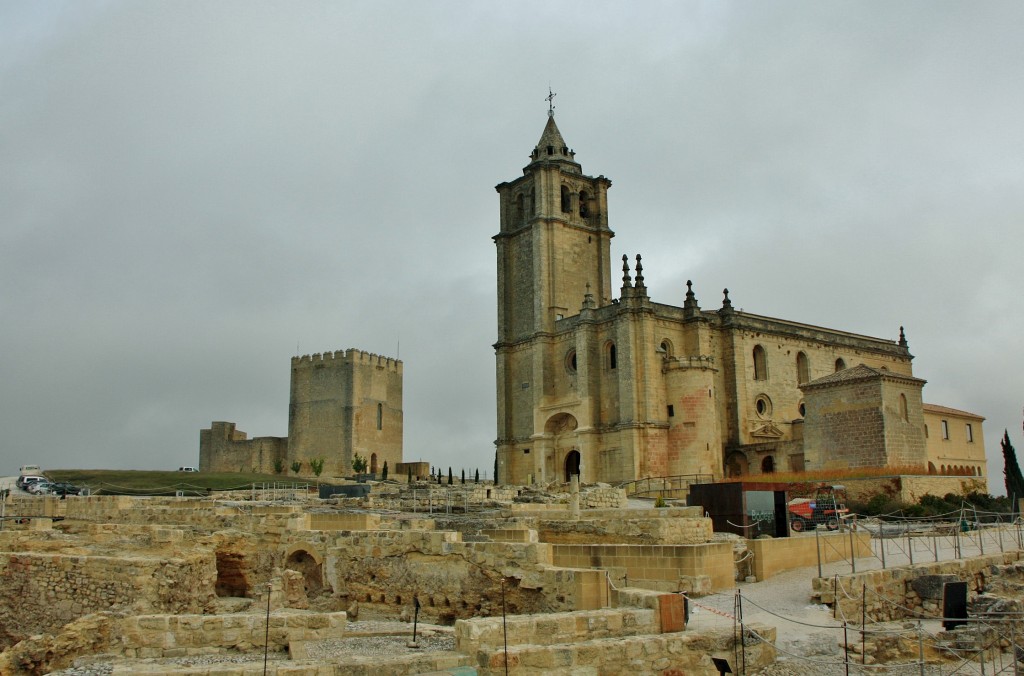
[(671, 526), (660, 567), (773, 556), (897, 593), (665, 655), (490, 633), (41, 591)]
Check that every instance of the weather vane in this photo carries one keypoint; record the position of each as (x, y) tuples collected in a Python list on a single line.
[(550, 98)]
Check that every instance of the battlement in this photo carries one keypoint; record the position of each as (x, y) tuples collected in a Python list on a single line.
[(702, 362), (349, 356)]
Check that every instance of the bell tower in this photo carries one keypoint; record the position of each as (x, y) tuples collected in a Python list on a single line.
[(554, 240), (553, 256)]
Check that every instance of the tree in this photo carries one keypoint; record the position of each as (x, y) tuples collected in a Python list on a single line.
[(450, 479), (1011, 471), (384, 471), (476, 479), (296, 466), (317, 465), (408, 478), (358, 464), (278, 466), (463, 475)]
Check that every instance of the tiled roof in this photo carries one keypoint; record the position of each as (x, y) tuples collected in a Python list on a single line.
[(945, 410), (858, 372)]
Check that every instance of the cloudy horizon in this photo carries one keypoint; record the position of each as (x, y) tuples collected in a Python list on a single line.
[(195, 192)]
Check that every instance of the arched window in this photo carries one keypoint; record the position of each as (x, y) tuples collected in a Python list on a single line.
[(584, 200), (768, 464), (666, 348), (373, 463), (531, 203), (803, 370), (380, 416), (613, 360), (570, 361), (519, 217), (760, 363), (903, 407), (566, 200), (840, 364)]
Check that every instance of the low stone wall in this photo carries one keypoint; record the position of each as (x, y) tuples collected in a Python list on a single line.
[(661, 567), (906, 591), (159, 636), (773, 556), (343, 521), (673, 526), (490, 633), (664, 654), (179, 635)]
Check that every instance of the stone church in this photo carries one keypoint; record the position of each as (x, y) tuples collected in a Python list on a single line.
[(606, 383)]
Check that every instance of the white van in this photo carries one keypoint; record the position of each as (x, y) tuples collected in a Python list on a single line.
[(25, 470), (188, 469)]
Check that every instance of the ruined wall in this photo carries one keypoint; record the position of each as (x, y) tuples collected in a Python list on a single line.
[(674, 530), (41, 591), (224, 448), (661, 567), (773, 556), (906, 591)]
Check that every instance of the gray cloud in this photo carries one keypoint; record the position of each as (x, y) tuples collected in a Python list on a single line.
[(193, 191)]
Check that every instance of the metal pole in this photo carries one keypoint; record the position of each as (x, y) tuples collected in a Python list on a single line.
[(863, 620), (999, 532), (910, 547), (881, 542), (846, 649), (935, 546), (920, 647), (266, 638), (853, 553), (504, 625), (743, 646), (817, 545)]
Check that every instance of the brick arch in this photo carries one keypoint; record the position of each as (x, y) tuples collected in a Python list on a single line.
[(307, 560)]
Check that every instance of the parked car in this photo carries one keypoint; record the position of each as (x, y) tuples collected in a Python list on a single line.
[(39, 487), (24, 482), (63, 488), (188, 469)]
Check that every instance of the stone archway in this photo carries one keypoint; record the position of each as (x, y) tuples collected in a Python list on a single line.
[(310, 564), (562, 440), (768, 464), (736, 464), (572, 464)]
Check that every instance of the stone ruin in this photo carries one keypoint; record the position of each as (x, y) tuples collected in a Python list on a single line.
[(175, 585), (544, 580)]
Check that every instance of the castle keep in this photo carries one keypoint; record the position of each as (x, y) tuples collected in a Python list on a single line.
[(616, 388), (341, 403)]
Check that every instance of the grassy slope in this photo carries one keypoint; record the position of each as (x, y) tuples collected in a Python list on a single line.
[(139, 482)]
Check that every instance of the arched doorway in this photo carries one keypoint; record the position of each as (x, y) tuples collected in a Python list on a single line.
[(736, 464), (373, 463), (768, 465), (572, 464), (306, 563)]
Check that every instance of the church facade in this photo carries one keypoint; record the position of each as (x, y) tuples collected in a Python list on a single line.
[(595, 378)]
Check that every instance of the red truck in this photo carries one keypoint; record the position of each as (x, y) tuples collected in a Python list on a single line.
[(826, 507)]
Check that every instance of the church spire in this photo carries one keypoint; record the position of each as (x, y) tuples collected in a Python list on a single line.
[(551, 145)]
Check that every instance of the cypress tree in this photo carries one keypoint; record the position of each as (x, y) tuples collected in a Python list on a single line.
[(1011, 471), (463, 475), (409, 477), (476, 479), (450, 478)]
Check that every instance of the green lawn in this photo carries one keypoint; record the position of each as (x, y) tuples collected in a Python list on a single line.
[(141, 482)]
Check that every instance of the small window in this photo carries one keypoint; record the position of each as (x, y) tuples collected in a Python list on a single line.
[(666, 348), (526, 451), (840, 364), (380, 416), (760, 363), (763, 406), (803, 410), (945, 430), (566, 200), (970, 433), (613, 360), (584, 199), (671, 410), (903, 407), (570, 361), (802, 369), (925, 431)]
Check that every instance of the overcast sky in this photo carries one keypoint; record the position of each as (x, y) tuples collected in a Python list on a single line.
[(193, 192)]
